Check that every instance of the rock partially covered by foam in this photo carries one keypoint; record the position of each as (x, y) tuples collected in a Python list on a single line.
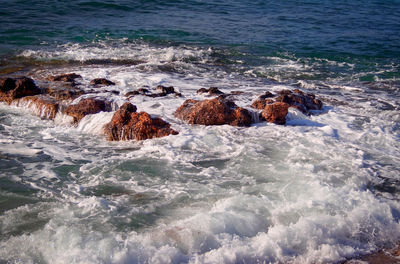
[(127, 124), (101, 81), (86, 107), (300, 100), (276, 113), (65, 77), (213, 112), (42, 105), (13, 88)]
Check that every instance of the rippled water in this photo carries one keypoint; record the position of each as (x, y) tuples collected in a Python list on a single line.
[(322, 189)]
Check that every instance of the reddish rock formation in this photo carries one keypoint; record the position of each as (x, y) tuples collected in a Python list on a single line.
[(86, 107), (13, 88), (126, 124), (101, 81), (42, 105), (213, 112), (261, 103), (276, 113), (66, 77), (297, 99)]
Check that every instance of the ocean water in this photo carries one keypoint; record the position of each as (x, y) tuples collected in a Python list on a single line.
[(322, 189)]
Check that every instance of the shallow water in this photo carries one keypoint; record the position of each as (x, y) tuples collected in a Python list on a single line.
[(321, 189)]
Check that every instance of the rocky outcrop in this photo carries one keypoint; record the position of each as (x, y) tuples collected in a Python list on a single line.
[(101, 81), (300, 100), (61, 93), (213, 112), (42, 105), (276, 113), (14, 88), (86, 107), (127, 124)]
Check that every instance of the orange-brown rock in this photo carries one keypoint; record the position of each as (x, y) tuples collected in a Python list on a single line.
[(86, 107), (276, 113), (13, 88), (213, 112), (297, 99), (101, 81), (126, 124), (66, 77), (261, 103), (42, 105)]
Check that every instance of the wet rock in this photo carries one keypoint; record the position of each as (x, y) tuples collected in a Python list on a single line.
[(213, 112), (237, 92), (86, 107), (297, 99), (276, 113), (165, 90), (127, 124), (143, 91), (42, 105), (60, 94), (131, 93), (210, 91), (66, 77), (13, 88), (261, 103), (101, 81), (266, 95)]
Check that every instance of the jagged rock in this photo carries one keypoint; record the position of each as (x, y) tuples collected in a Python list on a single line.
[(261, 103), (297, 99), (13, 88), (101, 81), (210, 91), (86, 107), (64, 93), (66, 77), (213, 112), (126, 124), (276, 113), (42, 105)]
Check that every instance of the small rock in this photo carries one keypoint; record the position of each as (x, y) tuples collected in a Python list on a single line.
[(66, 77), (64, 93), (261, 103), (101, 81), (126, 124), (276, 113), (165, 90), (86, 107), (213, 112), (131, 93), (210, 91)]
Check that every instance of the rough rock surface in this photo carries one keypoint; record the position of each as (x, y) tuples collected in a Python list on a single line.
[(101, 81), (126, 124), (86, 107), (261, 103), (213, 112), (276, 113), (13, 88), (42, 105), (210, 91), (64, 93), (297, 99)]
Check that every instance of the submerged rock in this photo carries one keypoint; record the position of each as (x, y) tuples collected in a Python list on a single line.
[(66, 77), (86, 107), (101, 81), (126, 124), (276, 113), (213, 112), (13, 88)]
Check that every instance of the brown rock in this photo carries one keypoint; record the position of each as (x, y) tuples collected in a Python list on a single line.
[(86, 107), (210, 91), (213, 112), (64, 93), (101, 81), (261, 103), (66, 77), (42, 105), (126, 124), (165, 90), (276, 113), (131, 93), (298, 99), (13, 88)]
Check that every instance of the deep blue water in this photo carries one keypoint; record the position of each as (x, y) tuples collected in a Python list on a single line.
[(364, 33)]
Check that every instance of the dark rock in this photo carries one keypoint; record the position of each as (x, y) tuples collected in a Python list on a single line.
[(165, 90), (143, 90), (276, 113), (237, 92), (132, 93), (266, 95), (298, 99), (66, 77), (101, 81), (64, 93), (213, 112), (126, 124), (210, 91), (86, 107), (13, 88)]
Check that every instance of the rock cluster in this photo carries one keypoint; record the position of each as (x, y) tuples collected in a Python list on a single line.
[(14, 88), (86, 107)]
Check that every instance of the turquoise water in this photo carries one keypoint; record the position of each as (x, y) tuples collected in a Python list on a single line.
[(322, 189)]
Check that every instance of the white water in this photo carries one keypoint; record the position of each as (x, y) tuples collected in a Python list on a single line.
[(313, 191)]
